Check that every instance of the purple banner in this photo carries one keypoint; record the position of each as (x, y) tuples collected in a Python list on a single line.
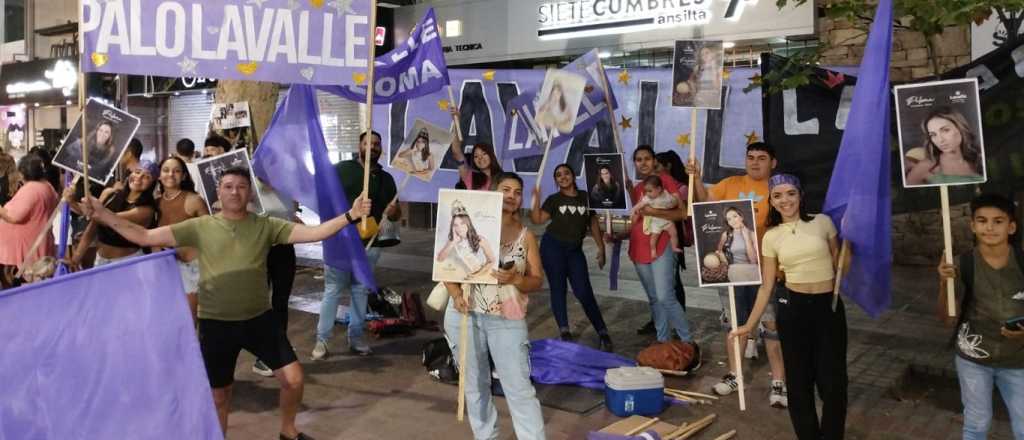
[(413, 69), (523, 139), (322, 42), (645, 116), (106, 353)]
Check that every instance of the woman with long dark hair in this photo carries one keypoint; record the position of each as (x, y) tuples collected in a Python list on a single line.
[(479, 173), (469, 247), (421, 162), (952, 150), (134, 203), (561, 251), (812, 333), (178, 201), (606, 189), (497, 328)]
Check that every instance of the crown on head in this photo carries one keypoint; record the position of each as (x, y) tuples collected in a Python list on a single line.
[(458, 209)]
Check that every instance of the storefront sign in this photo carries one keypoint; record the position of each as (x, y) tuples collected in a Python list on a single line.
[(285, 41), (46, 82), (574, 18)]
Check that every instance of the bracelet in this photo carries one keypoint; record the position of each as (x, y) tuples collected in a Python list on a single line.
[(349, 218)]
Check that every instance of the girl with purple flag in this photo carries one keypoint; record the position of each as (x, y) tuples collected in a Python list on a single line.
[(179, 202), (497, 327), (561, 251), (813, 335), (134, 203), (479, 173)]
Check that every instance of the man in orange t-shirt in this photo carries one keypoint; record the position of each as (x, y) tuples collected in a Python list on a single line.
[(760, 162)]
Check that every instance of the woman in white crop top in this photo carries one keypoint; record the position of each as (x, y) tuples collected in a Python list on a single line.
[(813, 333)]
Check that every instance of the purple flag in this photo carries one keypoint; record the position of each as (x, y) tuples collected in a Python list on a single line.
[(293, 138), (287, 41), (858, 198), (415, 68), (522, 137), (106, 353)]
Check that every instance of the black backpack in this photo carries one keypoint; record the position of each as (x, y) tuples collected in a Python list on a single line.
[(438, 360), (967, 277)]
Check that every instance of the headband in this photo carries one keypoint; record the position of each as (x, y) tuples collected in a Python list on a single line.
[(784, 179)]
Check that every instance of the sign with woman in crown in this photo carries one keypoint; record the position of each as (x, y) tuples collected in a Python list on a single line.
[(466, 242)]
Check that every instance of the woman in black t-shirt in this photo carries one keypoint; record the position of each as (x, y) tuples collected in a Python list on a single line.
[(135, 203), (561, 251)]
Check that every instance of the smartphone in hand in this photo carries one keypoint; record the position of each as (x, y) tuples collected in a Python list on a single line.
[(1014, 324)]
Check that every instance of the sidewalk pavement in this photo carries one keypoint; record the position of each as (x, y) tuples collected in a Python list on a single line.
[(902, 383)]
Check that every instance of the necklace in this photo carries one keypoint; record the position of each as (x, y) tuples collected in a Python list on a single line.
[(171, 197)]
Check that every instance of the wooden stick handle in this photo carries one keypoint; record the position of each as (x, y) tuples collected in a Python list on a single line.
[(643, 426), (611, 111), (693, 157), (458, 125), (840, 268), (463, 349), (694, 428), (947, 236), (727, 435), (672, 373), (47, 227), (694, 394), (544, 159), (738, 367), (370, 90)]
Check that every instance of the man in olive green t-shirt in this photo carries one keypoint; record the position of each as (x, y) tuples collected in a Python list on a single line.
[(234, 301)]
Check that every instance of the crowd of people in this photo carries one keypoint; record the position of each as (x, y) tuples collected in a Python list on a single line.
[(238, 289)]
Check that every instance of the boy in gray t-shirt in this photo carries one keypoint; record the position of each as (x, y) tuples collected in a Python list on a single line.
[(990, 285)]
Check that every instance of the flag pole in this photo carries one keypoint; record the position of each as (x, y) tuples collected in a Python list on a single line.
[(737, 355), (81, 106), (370, 89), (463, 349), (458, 126), (544, 159), (693, 159), (840, 266), (947, 235), (615, 131)]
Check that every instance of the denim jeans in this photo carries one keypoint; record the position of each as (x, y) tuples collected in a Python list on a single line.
[(506, 341), (335, 281), (563, 260), (658, 281), (976, 392)]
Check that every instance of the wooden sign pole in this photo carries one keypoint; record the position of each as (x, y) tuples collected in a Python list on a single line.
[(693, 158), (369, 105), (736, 348), (947, 236)]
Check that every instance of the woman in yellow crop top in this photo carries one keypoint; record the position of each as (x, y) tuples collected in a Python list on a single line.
[(813, 335)]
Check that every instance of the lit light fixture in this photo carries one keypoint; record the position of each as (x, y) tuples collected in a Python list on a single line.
[(35, 104), (729, 45), (177, 93), (604, 55), (67, 102), (453, 28)]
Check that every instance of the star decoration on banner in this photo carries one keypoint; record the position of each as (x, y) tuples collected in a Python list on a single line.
[(342, 6), (258, 3), (188, 66), (726, 74), (626, 123), (683, 140), (489, 75), (317, 3), (442, 104), (624, 77), (752, 137), (359, 78)]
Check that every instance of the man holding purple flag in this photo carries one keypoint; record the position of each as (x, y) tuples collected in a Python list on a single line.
[(858, 198), (234, 299), (524, 137)]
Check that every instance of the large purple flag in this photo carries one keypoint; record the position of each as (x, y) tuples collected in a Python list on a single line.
[(415, 68), (106, 353), (287, 41), (294, 139), (858, 198), (521, 136)]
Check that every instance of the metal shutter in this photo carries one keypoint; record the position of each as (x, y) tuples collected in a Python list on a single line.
[(189, 117), (148, 111), (339, 119)]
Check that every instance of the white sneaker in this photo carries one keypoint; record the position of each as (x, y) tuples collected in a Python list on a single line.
[(727, 386), (262, 369), (779, 395), (319, 350), (751, 350)]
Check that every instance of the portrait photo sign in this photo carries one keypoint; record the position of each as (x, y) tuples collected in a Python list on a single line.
[(108, 132), (559, 101), (606, 177), (468, 237), (422, 151), (697, 74), (939, 126), (725, 239), (209, 171)]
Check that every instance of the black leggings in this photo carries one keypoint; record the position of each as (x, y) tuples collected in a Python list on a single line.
[(281, 274), (814, 352)]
